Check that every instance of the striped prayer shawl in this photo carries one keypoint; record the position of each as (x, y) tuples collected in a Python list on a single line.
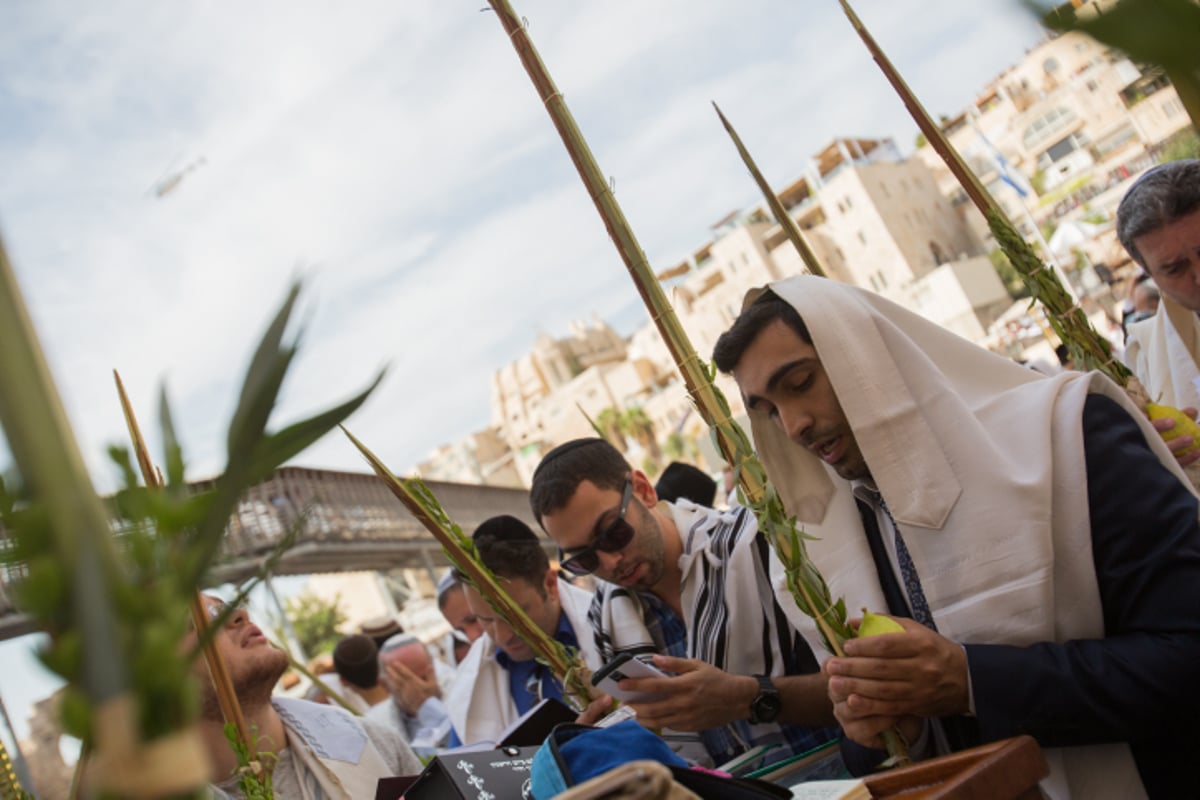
[(733, 620)]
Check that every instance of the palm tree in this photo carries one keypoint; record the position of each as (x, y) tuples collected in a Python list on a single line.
[(636, 424), (610, 422)]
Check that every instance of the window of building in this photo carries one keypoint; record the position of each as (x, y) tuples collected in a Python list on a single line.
[(862, 238), (882, 280), (883, 188), (1059, 150), (1172, 108), (849, 204), (745, 258), (1047, 125)]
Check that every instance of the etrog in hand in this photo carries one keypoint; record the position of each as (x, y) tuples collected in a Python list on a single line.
[(876, 624), (1184, 425)]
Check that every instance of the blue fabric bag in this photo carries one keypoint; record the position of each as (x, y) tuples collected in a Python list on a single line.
[(573, 754)]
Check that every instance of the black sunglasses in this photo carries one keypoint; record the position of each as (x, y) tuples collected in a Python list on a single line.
[(615, 536)]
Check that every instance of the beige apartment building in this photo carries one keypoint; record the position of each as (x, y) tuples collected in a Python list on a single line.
[(875, 219), (1072, 120)]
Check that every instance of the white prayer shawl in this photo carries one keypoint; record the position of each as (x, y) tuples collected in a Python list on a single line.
[(981, 462), (481, 704), (1164, 352), (331, 754)]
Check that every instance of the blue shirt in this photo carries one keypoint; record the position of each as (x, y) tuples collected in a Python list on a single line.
[(530, 681)]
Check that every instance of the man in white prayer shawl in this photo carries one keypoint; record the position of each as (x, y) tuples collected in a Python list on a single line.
[(501, 679), (1038, 526), (319, 751), (1158, 222)]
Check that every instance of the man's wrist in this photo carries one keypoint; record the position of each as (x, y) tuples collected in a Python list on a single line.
[(742, 694)]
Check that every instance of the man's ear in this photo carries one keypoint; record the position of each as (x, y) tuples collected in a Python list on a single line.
[(550, 584), (643, 489)]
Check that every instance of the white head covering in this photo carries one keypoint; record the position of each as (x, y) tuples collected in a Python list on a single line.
[(980, 461), (1164, 352)]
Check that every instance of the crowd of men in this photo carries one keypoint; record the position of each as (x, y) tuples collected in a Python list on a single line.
[(1035, 537)]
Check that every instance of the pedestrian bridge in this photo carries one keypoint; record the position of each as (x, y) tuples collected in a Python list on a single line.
[(346, 521)]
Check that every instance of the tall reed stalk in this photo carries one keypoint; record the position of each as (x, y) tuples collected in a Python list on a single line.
[(805, 582), (773, 202), (1089, 349)]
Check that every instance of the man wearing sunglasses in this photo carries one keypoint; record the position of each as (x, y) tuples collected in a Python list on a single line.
[(688, 587)]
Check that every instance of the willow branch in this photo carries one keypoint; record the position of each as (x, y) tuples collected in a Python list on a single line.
[(773, 202), (1090, 349), (460, 550)]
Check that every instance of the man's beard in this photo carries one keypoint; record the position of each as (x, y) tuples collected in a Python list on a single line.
[(650, 549), (253, 684)]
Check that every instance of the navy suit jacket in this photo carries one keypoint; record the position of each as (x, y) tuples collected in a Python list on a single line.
[(1139, 684)]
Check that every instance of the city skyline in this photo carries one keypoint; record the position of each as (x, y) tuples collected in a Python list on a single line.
[(407, 167)]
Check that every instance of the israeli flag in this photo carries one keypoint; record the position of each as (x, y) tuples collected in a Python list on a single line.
[(1006, 173)]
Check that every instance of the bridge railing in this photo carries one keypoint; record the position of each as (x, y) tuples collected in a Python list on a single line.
[(346, 521)]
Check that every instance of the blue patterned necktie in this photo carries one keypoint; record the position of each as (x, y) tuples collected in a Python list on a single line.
[(908, 572)]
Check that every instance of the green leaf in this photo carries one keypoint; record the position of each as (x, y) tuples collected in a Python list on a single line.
[(172, 452), (1151, 31), (276, 449), (263, 379)]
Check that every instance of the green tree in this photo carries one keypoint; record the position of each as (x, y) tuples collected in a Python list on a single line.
[(679, 447), (650, 467), (1008, 275), (317, 622), (609, 421), (1185, 144), (637, 425)]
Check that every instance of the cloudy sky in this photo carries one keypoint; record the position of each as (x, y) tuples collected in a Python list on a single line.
[(396, 157)]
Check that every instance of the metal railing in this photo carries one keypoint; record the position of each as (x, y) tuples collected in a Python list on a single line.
[(346, 521)]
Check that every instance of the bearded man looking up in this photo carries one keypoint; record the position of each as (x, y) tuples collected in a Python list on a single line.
[(1034, 536), (319, 751)]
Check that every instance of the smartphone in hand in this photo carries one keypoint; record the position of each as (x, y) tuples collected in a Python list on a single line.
[(626, 666)]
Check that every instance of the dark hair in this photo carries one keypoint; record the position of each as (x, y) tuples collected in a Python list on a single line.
[(356, 661), (686, 481), (568, 465), (1162, 195), (510, 548), (761, 313)]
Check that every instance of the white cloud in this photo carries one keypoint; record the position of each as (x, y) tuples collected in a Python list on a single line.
[(396, 154)]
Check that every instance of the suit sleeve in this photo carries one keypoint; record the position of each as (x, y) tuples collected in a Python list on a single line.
[(1139, 681)]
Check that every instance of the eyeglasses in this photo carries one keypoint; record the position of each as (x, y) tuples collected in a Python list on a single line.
[(615, 536)]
